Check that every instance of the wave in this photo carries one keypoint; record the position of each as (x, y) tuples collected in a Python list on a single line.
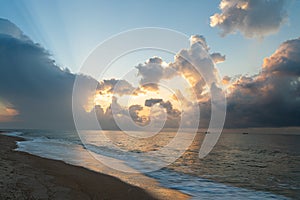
[(71, 151)]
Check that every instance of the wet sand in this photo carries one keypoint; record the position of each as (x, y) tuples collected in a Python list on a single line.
[(25, 176)]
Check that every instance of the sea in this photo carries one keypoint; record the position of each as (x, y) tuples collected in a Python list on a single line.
[(255, 165)]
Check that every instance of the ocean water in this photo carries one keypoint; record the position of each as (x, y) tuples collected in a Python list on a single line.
[(251, 166)]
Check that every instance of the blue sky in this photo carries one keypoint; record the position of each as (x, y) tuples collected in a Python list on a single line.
[(71, 29)]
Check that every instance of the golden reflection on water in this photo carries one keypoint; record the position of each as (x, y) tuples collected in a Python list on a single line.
[(86, 159), (129, 143), (256, 161)]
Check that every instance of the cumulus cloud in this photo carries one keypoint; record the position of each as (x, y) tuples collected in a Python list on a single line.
[(135, 115), (117, 117), (217, 57), (253, 18), (272, 97), (285, 60), (119, 87), (173, 114), (165, 104), (199, 39), (107, 118), (151, 102), (152, 72), (195, 64), (36, 93), (226, 80)]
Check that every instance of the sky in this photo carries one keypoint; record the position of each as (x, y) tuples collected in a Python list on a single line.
[(248, 50), (70, 30)]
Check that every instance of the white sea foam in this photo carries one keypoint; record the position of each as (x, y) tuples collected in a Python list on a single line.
[(14, 133), (76, 154)]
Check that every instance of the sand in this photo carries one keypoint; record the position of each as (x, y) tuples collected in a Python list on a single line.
[(25, 176)]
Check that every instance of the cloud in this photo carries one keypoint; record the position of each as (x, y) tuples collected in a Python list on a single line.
[(32, 84), (199, 39), (134, 114), (285, 60), (272, 97), (119, 87), (253, 18), (36, 93), (226, 80), (117, 117), (173, 115), (11, 30), (195, 64), (151, 102), (7, 112), (107, 118), (165, 104), (197, 67), (152, 72), (217, 57)]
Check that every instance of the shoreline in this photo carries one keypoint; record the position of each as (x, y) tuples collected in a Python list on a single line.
[(27, 176)]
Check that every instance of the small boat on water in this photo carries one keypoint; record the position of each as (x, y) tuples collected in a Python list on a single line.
[(245, 133)]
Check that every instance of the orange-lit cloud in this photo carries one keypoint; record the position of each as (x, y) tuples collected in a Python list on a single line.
[(158, 83), (271, 97), (285, 59), (7, 113), (226, 80)]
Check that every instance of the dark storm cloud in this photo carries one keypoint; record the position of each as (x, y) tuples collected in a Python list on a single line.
[(32, 83), (253, 18), (11, 30)]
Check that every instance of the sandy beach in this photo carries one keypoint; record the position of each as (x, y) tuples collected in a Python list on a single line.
[(24, 176)]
